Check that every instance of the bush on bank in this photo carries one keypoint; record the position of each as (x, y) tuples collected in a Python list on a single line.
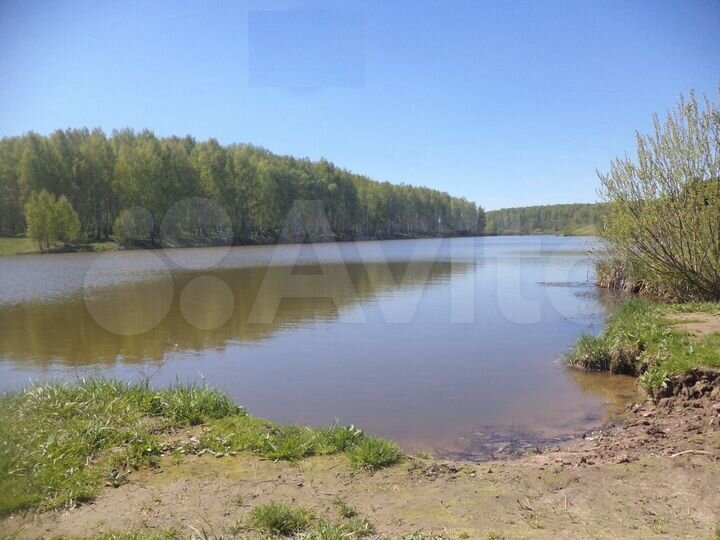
[(663, 208)]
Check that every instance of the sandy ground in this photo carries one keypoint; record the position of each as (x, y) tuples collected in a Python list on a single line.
[(658, 476)]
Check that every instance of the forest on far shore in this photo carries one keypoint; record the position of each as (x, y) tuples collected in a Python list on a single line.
[(124, 185), (566, 219)]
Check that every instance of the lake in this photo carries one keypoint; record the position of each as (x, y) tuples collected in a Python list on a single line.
[(447, 345)]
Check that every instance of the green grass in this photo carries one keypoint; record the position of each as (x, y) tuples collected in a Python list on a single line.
[(16, 246), (280, 519), (591, 353), (287, 443), (60, 444), (345, 510), (347, 530), (54, 438), (20, 245), (371, 454), (639, 339)]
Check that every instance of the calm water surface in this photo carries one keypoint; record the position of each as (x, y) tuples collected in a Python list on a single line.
[(446, 345)]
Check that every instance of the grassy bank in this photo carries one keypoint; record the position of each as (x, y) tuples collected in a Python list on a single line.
[(24, 246), (646, 338), (61, 443), (17, 246)]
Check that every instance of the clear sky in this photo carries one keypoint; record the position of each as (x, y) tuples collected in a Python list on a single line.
[(507, 103)]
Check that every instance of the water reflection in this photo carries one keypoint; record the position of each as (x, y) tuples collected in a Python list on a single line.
[(206, 310)]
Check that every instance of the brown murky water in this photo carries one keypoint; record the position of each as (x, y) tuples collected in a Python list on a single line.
[(446, 345)]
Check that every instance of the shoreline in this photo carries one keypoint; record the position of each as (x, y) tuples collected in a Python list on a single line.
[(111, 245), (550, 495), (547, 494)]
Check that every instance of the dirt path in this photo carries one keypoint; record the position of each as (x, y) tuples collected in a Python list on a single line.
[(656, 477), (696, 324)]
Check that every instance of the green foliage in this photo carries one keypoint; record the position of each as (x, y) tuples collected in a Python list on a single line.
[(576, 219), (280, 519), (51, 220), (38, 211), (65, 222), (639, 339), (133, 226), (289, 444), (337, 439), (285, 443), (664, 207), (372, 453), (55, 438), (131, 185), (192, 405), (591, 353), (654, 378)]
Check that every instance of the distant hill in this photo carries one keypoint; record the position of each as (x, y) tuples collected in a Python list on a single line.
[(566, 219)]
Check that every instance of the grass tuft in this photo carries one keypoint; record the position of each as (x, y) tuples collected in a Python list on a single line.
[(280, 519), (289, 443), (591, 353), (356, 528), (372, 453), (345, 510), (337, 439)]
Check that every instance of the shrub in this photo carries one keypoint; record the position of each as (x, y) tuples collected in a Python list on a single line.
[(664, 207)]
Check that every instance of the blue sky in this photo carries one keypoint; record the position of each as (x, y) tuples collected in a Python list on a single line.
[(507, 103)]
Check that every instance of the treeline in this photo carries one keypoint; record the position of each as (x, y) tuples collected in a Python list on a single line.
[(550, 219), (105, 177)]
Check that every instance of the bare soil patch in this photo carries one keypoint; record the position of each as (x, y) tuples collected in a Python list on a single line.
[(696, 324)]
